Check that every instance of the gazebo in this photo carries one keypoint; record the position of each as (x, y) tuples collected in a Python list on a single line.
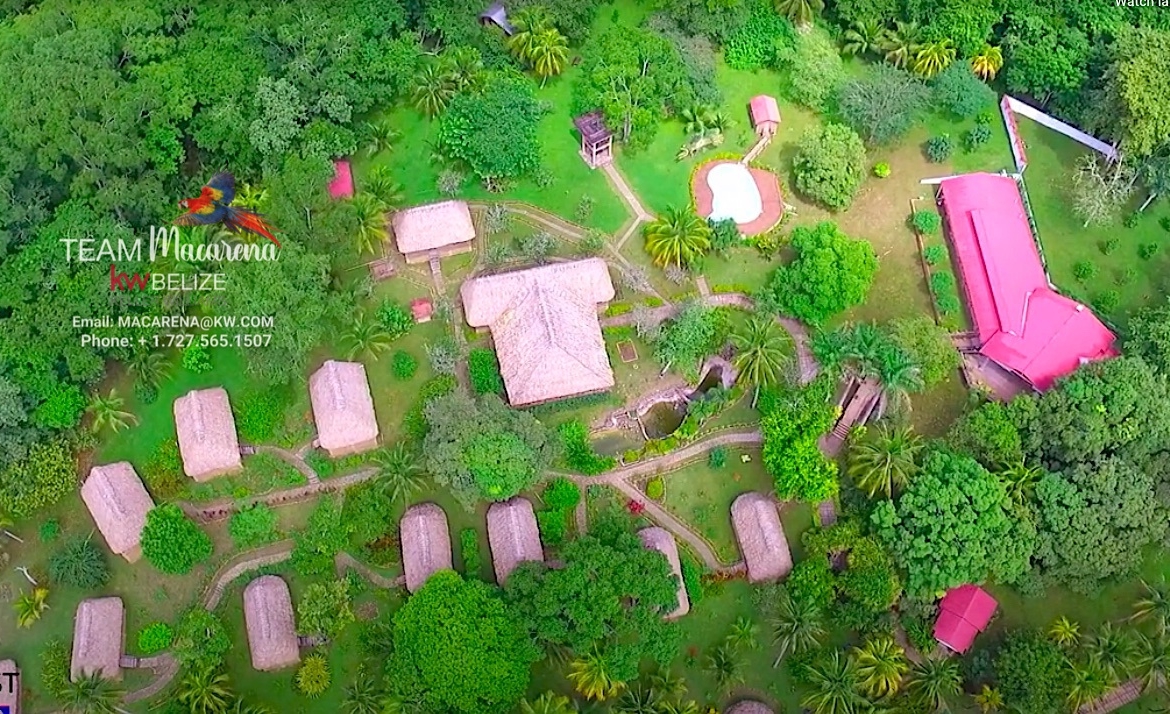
[(596, 139), (765, 114)]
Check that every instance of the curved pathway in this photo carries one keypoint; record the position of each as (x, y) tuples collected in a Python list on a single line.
[(296, 459), (344, 561)]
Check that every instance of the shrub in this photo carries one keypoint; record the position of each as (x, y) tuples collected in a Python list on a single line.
[(829, 166), (443, 354), (80, 564), (469, 549), (553, 525), (313, 676), (155, 637), (881, 169), (1110, 246), (1126, 277), (1107, 302), (692, 575), (959, 91), (196, 359), (927, 222), (1132, 220), (164, 471), (326, 608), (947, 304), (413, 422), (1148, 250), (934, 254), (814, 68), (484, 371), (258, 415), (450, 182), (50, 530), (584, 210), (942, 282), (717, 457), (755, 44), (395, 319), (656, 488), (579, 454), (811, 581), (200, 638), (55, 668), (252, 526), (1084, 270), (403, 365), (939, 148), (975, 137), (537, 246), (1164, 221), (593, 244), (171, 542), (561, 494), (884, 104)]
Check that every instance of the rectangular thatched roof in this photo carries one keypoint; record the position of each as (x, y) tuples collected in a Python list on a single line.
[(749, 706), (207, 433), (426, 543), (513, 536), (761, 537), (545, 327), (10, 686), (661, 540), (343, 407), (268, 617), (432, 226), (118, 502), (98, 638)]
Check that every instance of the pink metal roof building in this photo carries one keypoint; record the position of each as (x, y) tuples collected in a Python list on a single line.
[(765, 114), (962, 614), (1022, 322), (342, 184)]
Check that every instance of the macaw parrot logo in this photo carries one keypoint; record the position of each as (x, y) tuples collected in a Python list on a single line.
[(213, 205)]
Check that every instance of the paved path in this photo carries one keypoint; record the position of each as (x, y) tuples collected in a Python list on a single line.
[(165, 668), (296, 459), (641, 215), (1116, 698), (225, 507)]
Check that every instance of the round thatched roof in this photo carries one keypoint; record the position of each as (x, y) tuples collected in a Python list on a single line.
[(749, 706)]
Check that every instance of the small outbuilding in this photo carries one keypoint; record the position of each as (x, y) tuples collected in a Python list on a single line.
[(207, 434), (761, 537), (422, 309), (498, 16), (98, 638), (434, 230), (343, 408), (963, 613), (268, 618), (596, 139), (9, 687), (749, 706), (341, 185), (765, 114), (661, 540), (118, 503), (426, 543), (513, 536)]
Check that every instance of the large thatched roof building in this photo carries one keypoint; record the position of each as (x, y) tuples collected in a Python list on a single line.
[(207, 434), (434, 230), (98, 638), (343, 408), (661, 540), (761, 537), (545, 328), (118, 502), (426, 543), (268, 616), (513, 536), (749, 706), (9, 686)]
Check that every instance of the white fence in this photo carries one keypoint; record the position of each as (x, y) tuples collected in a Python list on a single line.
[(1011, 106)]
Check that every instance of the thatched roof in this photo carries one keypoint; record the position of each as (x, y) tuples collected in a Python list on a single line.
[(342, 406), (426, 543), (432, 226), (118, 502), (513, 536), (98, 638), (10, 686), (749, 706), (662, 541), (545, 328), (207, 433), (268, 616), (497, 15), (761, 537)]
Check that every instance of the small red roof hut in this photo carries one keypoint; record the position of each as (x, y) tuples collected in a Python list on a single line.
[(962, 614)]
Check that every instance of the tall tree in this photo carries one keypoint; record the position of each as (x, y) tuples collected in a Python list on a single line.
[(831, 273), (934, 681), (762, 353), (833, 686), (800, 12), (1138, 89)]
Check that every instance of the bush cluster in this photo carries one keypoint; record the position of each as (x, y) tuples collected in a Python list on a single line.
[(926, 222), (656, 488), (259, 415), (934, 254), (403, 365), (469, 549), (560, 497), (578, 451), (484, 370), (939, 148), (395, 318), (155, 637)]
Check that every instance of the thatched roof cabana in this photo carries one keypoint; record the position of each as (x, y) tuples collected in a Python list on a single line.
[(268, 617), (749, 706), (545, 328), (9, 686), (661, 540), (513, 536), (761, 537), (118, 502), (445, 227), (98, 638), (426, 543), (343, 408), (207, 434)]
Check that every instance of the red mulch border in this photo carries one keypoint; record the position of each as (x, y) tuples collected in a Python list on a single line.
[(767, 184)]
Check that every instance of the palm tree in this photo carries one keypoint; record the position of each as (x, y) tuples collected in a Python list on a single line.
[(548, 54), (371, 222), (638, 699), (884, 460), (1113, 650), (800, 12), (902, 43), (989, 700), (107, 411), (834, 684), (433, 89), (465, 67), (762, 353), (934, 57), (725, 666), (366, 337), (933, 681), (385, 190), (380, 136), (149, 367), (1087, 682), (1154, 607), (670, 685), (696, 118), (205, 690), (239, 706), (1152, 661), (399, 471), (1065, 632), (591, 677), (361, 696), (528, 23), (31, 606), (881, 664), (744, 633), (796, 627), (91, 694), (988, 62), (677, 238), (1020, 481), (900, 377), (548, 703), (864, 37), (683, 707)]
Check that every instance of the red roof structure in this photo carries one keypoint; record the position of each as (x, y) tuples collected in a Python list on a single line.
[(963, 613), (342, 184), (765, 113), (422, 309), (1023, 323)]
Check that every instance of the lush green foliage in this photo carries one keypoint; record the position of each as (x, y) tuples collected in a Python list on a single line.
[(830, 165), (884, 104), (927, 222), (79, 563), (325, 609), (484, 371), (494, 133), (754, 45), (403, 365), (678, 238), (814, 67), (989, 434), (155, 637), (258, 415), (200, 638), (939, 148), (313, 676), (928, 346), (253, 526), (1032, 674), (326, 533), (561, 494), (791, 426), (172, 542), (38, 480), (831, 273), (469, 549), (395, 319), (578, 451), (958, 91), (414, 421), (697, 332)]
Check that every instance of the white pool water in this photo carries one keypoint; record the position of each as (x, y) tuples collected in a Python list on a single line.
[(734, 194)]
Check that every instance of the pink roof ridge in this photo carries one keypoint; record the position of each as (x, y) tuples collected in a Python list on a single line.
[(764, 108), (964, 612)]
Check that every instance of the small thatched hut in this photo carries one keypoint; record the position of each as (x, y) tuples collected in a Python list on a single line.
[(268, 616), (761, 537), (426, 543), (207, 434), (98, 638), (661, 540), (433, 230), (9, 686), (118, 502), (343, 408), (513, 536), (749, 706)]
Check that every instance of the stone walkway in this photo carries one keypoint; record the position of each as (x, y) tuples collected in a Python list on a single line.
[(343, 562), (1117, 697), (225, 507)]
